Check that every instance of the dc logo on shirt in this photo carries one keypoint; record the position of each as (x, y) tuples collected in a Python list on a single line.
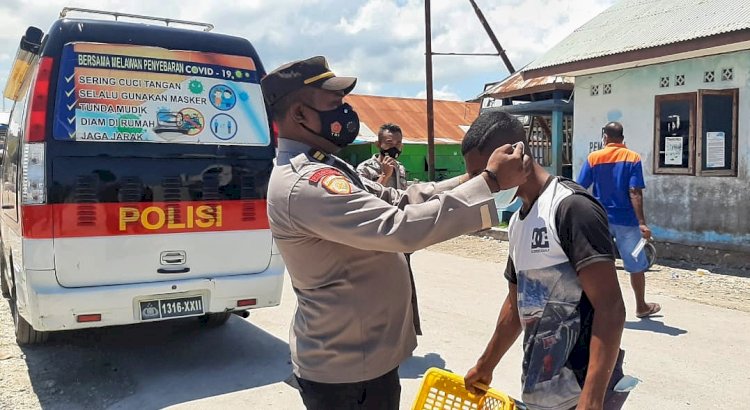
[(539, 240)]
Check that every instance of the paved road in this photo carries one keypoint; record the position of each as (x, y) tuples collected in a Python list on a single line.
[(693, 357)]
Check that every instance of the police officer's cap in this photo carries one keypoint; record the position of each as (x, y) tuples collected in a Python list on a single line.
[(312, 72)]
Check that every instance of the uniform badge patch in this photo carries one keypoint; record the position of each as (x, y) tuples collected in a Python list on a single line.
[(337, 184), (320, 174)]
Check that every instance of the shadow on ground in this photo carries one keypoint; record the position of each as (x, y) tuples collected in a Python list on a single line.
[(154, 365), (650, 325), (415, 366)]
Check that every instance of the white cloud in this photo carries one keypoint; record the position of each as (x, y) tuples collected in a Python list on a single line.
[(368, 87), (444, 93), (379, 41)]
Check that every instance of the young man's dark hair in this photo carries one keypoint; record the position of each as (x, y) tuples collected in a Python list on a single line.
[(390, 127), (492, 129)]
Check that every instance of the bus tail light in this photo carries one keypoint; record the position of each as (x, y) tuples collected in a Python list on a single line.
[(33, 185)]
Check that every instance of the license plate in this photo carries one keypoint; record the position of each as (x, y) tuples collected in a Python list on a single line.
[(166, 308)]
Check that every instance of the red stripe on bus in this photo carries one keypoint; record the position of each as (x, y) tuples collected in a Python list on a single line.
[(111, 219)]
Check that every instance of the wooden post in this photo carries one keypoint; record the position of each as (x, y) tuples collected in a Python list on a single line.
[(430, 102), (557, 136), (532, 149)]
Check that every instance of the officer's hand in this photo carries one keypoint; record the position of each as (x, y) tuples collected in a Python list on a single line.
[(510, 165), (387, 165), (477, 374)]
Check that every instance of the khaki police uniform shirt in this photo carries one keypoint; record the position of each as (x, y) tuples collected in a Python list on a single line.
[(371, 169), (343, 242)]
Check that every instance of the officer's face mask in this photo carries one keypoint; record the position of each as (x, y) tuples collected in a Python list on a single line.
[(340, 125), (392, 152)]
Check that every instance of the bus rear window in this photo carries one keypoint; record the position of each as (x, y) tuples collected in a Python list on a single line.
[(128, 93)]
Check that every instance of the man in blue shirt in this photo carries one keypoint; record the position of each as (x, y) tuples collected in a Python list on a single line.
[(617, 177)]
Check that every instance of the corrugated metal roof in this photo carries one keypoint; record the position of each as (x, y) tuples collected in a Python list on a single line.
[(515, 86), (638, 24), (411, 115)]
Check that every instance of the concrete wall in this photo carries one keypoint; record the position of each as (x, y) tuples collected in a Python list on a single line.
[(692, 210)]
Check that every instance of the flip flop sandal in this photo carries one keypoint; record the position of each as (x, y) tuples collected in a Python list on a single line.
[(655, 308)]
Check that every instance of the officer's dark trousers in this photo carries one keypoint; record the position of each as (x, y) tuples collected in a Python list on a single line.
[(382, 393)]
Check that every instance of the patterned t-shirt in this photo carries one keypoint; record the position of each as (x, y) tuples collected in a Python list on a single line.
[(563, 232)]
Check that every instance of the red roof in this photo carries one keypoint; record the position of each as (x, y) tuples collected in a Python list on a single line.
[(515, 86), (411, 115)]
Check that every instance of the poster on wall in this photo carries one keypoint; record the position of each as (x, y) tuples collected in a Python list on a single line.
[(715, 149), (129, 93), (673, 150)]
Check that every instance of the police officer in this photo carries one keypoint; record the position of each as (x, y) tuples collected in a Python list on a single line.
[(343, 240)]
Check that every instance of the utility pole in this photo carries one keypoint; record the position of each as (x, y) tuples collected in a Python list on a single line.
[(506, 60), (428, 71), (491, 34), (430, 101)]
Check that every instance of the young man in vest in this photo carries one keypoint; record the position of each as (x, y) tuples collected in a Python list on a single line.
[(563, 288)]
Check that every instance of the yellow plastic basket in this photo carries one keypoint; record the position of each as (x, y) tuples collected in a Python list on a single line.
[(443, 390)]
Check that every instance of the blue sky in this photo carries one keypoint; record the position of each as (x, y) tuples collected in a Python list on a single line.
[(379, 41)]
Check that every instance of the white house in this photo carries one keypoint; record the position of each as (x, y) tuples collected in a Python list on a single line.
[(676, 74)]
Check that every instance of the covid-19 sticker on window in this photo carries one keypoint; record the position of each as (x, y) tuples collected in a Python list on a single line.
[(126, 93)]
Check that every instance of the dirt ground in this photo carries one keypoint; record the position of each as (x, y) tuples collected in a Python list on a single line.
[(39, 377), (721, 287)]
